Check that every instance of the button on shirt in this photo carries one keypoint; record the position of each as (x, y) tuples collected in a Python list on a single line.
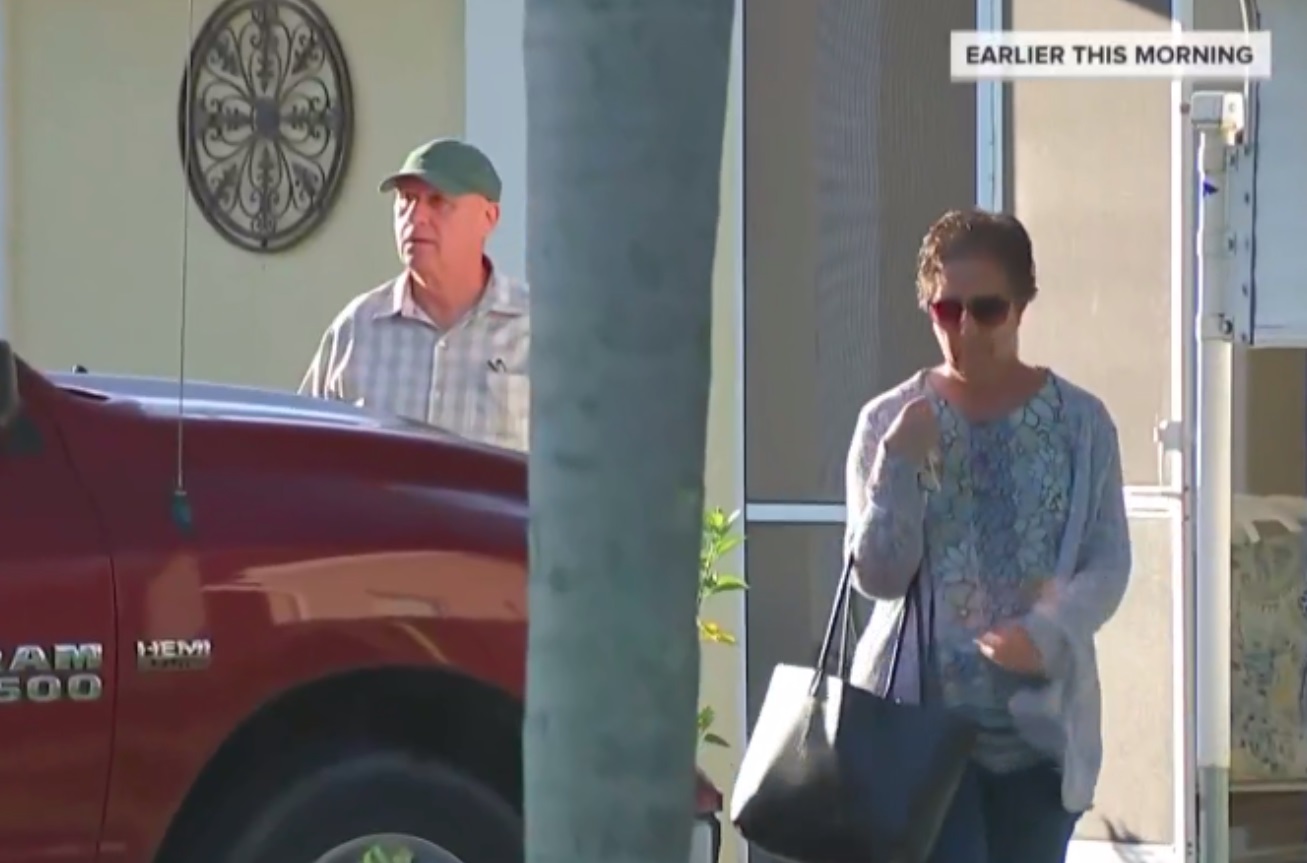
[(385, 354)]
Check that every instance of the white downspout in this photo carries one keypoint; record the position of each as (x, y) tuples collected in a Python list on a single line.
[(494, 115), (1218, 120), (991, 179)]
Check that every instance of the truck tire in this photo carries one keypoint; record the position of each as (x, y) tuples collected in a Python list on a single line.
[(372, 794)]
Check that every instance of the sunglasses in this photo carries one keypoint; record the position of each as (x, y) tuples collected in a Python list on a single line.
[(985, 311)]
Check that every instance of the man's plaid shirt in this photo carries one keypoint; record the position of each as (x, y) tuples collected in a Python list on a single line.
[(383, 353)]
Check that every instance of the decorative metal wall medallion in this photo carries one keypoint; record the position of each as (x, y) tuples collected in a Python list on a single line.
[(271, 121)]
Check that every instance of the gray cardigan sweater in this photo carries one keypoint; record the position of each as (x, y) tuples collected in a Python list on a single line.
[(886, 506)]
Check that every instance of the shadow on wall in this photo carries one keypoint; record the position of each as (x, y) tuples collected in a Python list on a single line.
[(1127, 844)]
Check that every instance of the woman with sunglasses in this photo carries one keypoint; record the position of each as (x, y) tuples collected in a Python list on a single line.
[(999, 484)]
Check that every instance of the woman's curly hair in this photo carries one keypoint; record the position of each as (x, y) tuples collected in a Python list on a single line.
[(961, 234)]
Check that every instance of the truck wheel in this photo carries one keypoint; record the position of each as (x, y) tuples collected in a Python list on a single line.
[(393, 801)]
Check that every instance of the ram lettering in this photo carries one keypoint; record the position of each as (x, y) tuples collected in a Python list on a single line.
[(63, 672)]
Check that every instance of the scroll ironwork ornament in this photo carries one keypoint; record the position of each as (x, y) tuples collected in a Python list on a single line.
[(271, 125)]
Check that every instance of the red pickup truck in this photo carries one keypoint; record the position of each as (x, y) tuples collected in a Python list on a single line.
[(321, 643)]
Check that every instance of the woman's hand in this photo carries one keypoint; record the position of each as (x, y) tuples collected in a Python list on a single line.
[(914, 432), (1009, 646)]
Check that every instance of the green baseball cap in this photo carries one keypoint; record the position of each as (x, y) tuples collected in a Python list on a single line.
[(450, 166)]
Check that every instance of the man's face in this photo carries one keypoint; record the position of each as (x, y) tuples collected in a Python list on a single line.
[(431, 227)]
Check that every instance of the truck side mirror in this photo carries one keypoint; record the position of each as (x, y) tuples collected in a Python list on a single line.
[(11, 404)]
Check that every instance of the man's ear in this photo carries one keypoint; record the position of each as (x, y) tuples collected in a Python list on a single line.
[(492, 215)]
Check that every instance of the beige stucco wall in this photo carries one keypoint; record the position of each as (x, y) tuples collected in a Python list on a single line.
[(97, 189), (95, 251)]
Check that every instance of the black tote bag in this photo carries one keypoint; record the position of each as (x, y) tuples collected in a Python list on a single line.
[(834, 773)]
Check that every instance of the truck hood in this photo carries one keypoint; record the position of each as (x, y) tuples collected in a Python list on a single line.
[(228, 401)]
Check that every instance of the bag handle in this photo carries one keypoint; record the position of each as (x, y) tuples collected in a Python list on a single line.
[(841, 603), (841, 619), (925, 639)]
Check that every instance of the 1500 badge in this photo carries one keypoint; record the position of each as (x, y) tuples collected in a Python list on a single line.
[(61, 672)]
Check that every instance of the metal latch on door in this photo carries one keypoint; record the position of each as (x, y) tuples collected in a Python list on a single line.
[(1169, 437)]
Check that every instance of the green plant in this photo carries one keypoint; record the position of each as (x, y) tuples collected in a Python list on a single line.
[(384, 854), (719, 539)]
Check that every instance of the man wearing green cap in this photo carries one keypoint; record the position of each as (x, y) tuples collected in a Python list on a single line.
[(446, 341)]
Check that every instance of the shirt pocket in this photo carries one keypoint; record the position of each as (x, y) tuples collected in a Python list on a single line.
[(510, 408)]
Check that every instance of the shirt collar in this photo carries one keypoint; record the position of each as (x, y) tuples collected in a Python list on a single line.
[(503, 296)]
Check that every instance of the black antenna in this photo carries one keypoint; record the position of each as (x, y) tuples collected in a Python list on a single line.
[(182, 515)]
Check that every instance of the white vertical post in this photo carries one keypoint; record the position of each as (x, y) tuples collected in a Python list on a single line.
[(1182, 469), (989, 121), (1217, 117), (495, 114)]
